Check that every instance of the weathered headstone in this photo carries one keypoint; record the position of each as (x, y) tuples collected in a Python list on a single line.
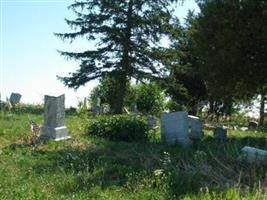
[(152, 122), (96, 105), (14, 98), (253, 155), (195, 127), (252, 125), (134, 109), (54, 114), (174, 128), (220, 133)]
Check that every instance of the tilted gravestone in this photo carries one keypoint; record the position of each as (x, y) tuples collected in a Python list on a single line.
[(14, 98), (54, 114), (174, 128), (195, 127)]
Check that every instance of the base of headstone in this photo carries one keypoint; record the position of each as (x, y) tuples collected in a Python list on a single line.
[(59, 133), (184, 142)]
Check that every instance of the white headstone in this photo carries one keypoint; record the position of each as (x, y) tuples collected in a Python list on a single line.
[(195, 126), (174, 128), (54, 114)]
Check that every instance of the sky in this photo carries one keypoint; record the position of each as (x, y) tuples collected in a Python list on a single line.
[(29, 61)]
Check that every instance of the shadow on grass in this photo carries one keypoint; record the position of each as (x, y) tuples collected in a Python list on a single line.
[(139, 166)]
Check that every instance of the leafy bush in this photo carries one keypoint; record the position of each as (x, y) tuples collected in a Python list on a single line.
[(150, 99), (119, 128), (28, 108)]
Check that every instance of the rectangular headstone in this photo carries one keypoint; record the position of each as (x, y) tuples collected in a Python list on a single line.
[(174, 128), (14, 98), (54, 114), (195, 126)]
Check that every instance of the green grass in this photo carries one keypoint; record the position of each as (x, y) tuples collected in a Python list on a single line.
[(94, 168)]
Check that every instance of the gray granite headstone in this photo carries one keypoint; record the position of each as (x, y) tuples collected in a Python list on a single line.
[(54, 114), (15, 98), (174, 128), (253, 155), (220, 133), (195, 127)]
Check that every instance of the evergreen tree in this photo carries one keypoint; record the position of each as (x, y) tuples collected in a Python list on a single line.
[(127, 32)]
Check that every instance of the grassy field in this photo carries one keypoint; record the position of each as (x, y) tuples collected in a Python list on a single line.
[(93, 168)]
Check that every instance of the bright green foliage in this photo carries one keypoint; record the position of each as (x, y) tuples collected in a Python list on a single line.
[(126, 33), (119, 128), (150, 98)]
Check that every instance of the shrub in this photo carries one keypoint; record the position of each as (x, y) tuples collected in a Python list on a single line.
[(119, 128), (28, 108)]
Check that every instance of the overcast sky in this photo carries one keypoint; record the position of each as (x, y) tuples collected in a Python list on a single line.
[(29, 61)]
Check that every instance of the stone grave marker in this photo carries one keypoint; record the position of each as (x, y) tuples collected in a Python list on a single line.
[(253, 155), (152, 122), (220, 133), (96, 105), (54, 114), (252, 125), (174, 128), (195, 127), (134, 109), (14, 98)]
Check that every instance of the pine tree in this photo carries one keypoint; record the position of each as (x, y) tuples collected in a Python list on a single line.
[(127, 32)]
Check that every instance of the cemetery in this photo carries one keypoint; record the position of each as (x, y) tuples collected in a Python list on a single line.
[(133, 100), (84, 155)]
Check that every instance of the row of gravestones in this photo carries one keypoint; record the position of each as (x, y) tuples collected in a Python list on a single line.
[(179, 127), (175, 127)]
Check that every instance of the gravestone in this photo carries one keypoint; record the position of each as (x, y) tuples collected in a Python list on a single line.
[(14, 98), (54, 114), (220, 133), (152, 122), (174, 128), (253, 155), (195, 127), (134, 109), (96, 105), (252, 125)]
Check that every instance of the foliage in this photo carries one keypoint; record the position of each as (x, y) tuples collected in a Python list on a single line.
[(127, 33), (119, 128), (28, 108), (230, 44), (149, 98), (107, 91), (173, 106), (184, 83)]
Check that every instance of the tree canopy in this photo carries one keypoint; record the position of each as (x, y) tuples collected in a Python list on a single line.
[(126, 32)]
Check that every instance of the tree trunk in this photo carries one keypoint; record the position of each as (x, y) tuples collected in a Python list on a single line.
[(118, 107), (262, 107), (125, 63)]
